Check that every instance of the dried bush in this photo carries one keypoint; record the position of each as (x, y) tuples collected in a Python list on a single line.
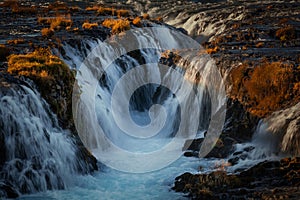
[(116, 25), (266, 87), (88, 25), (286, 33)]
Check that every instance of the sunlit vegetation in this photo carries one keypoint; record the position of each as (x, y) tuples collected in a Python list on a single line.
[(137, 21), (212, 50), (109, 11), (16, 41), (16, 7), (146, 16), (266, 87), (87, 25), (116, 25), (47, 32), (51, 75), (286, 33), (39, 63), (55, 23), (259, 45)]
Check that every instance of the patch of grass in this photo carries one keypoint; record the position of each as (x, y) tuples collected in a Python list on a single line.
[(266, 87), (16, 41), (137, 22), (52, 76), (56, 22), (17, 8), (109, 11), (58, 5), (46, 32), (88, 25), (146, 16), (116, 25), (212, 50), (259, 44), (41, 62), (286, 33), (92, 8)]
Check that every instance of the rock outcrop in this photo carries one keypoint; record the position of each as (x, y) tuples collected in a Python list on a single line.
[(270, 179)]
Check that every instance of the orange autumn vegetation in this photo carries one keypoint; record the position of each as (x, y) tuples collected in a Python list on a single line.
[(40, 63), (116, 25), (212, 50), (16, 41), (286, 33), (56, 22), (109, 11), (137, 21), (266, 87), (87, 25), (17, 8)]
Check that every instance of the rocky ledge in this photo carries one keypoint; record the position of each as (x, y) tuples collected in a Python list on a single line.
[(267, 180)]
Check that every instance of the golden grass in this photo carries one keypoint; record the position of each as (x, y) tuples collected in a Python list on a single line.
[(116, 25), (55, 22), (47, 32), (146, 16), (109, 11), (259, 44), (212, 50), (137, 22), (266, 87), (40, 63), (286, 33), (87, 25), (93, 8), (16, 41)]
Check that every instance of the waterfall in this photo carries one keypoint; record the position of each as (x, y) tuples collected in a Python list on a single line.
[(127, 105), (276, 136), (38, 154)]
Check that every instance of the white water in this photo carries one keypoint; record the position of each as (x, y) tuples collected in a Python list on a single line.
[(113, 184), (39, 154)]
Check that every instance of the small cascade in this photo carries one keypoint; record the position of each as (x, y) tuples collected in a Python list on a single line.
[(37, 155), (127, 98)]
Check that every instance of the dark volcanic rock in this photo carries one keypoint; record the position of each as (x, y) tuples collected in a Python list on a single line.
[(268, 179)]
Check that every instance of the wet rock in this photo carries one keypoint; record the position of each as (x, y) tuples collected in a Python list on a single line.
[(7, 190), (277, 177)]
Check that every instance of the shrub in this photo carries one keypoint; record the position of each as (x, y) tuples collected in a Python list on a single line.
[(56, 22), (259, 45), (58, 5), (266, 87), (16, 41), (52, 76), (117, 25), (46, 32), (286, 33), (88, 25), (146, 16), (137, 21), (93, 8), (9, 3), (212, 50), (38, 63), (113, 12)]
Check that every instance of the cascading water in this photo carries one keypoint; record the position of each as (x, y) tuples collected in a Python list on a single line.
[(181, 99), (166, 102), (39, 155)]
